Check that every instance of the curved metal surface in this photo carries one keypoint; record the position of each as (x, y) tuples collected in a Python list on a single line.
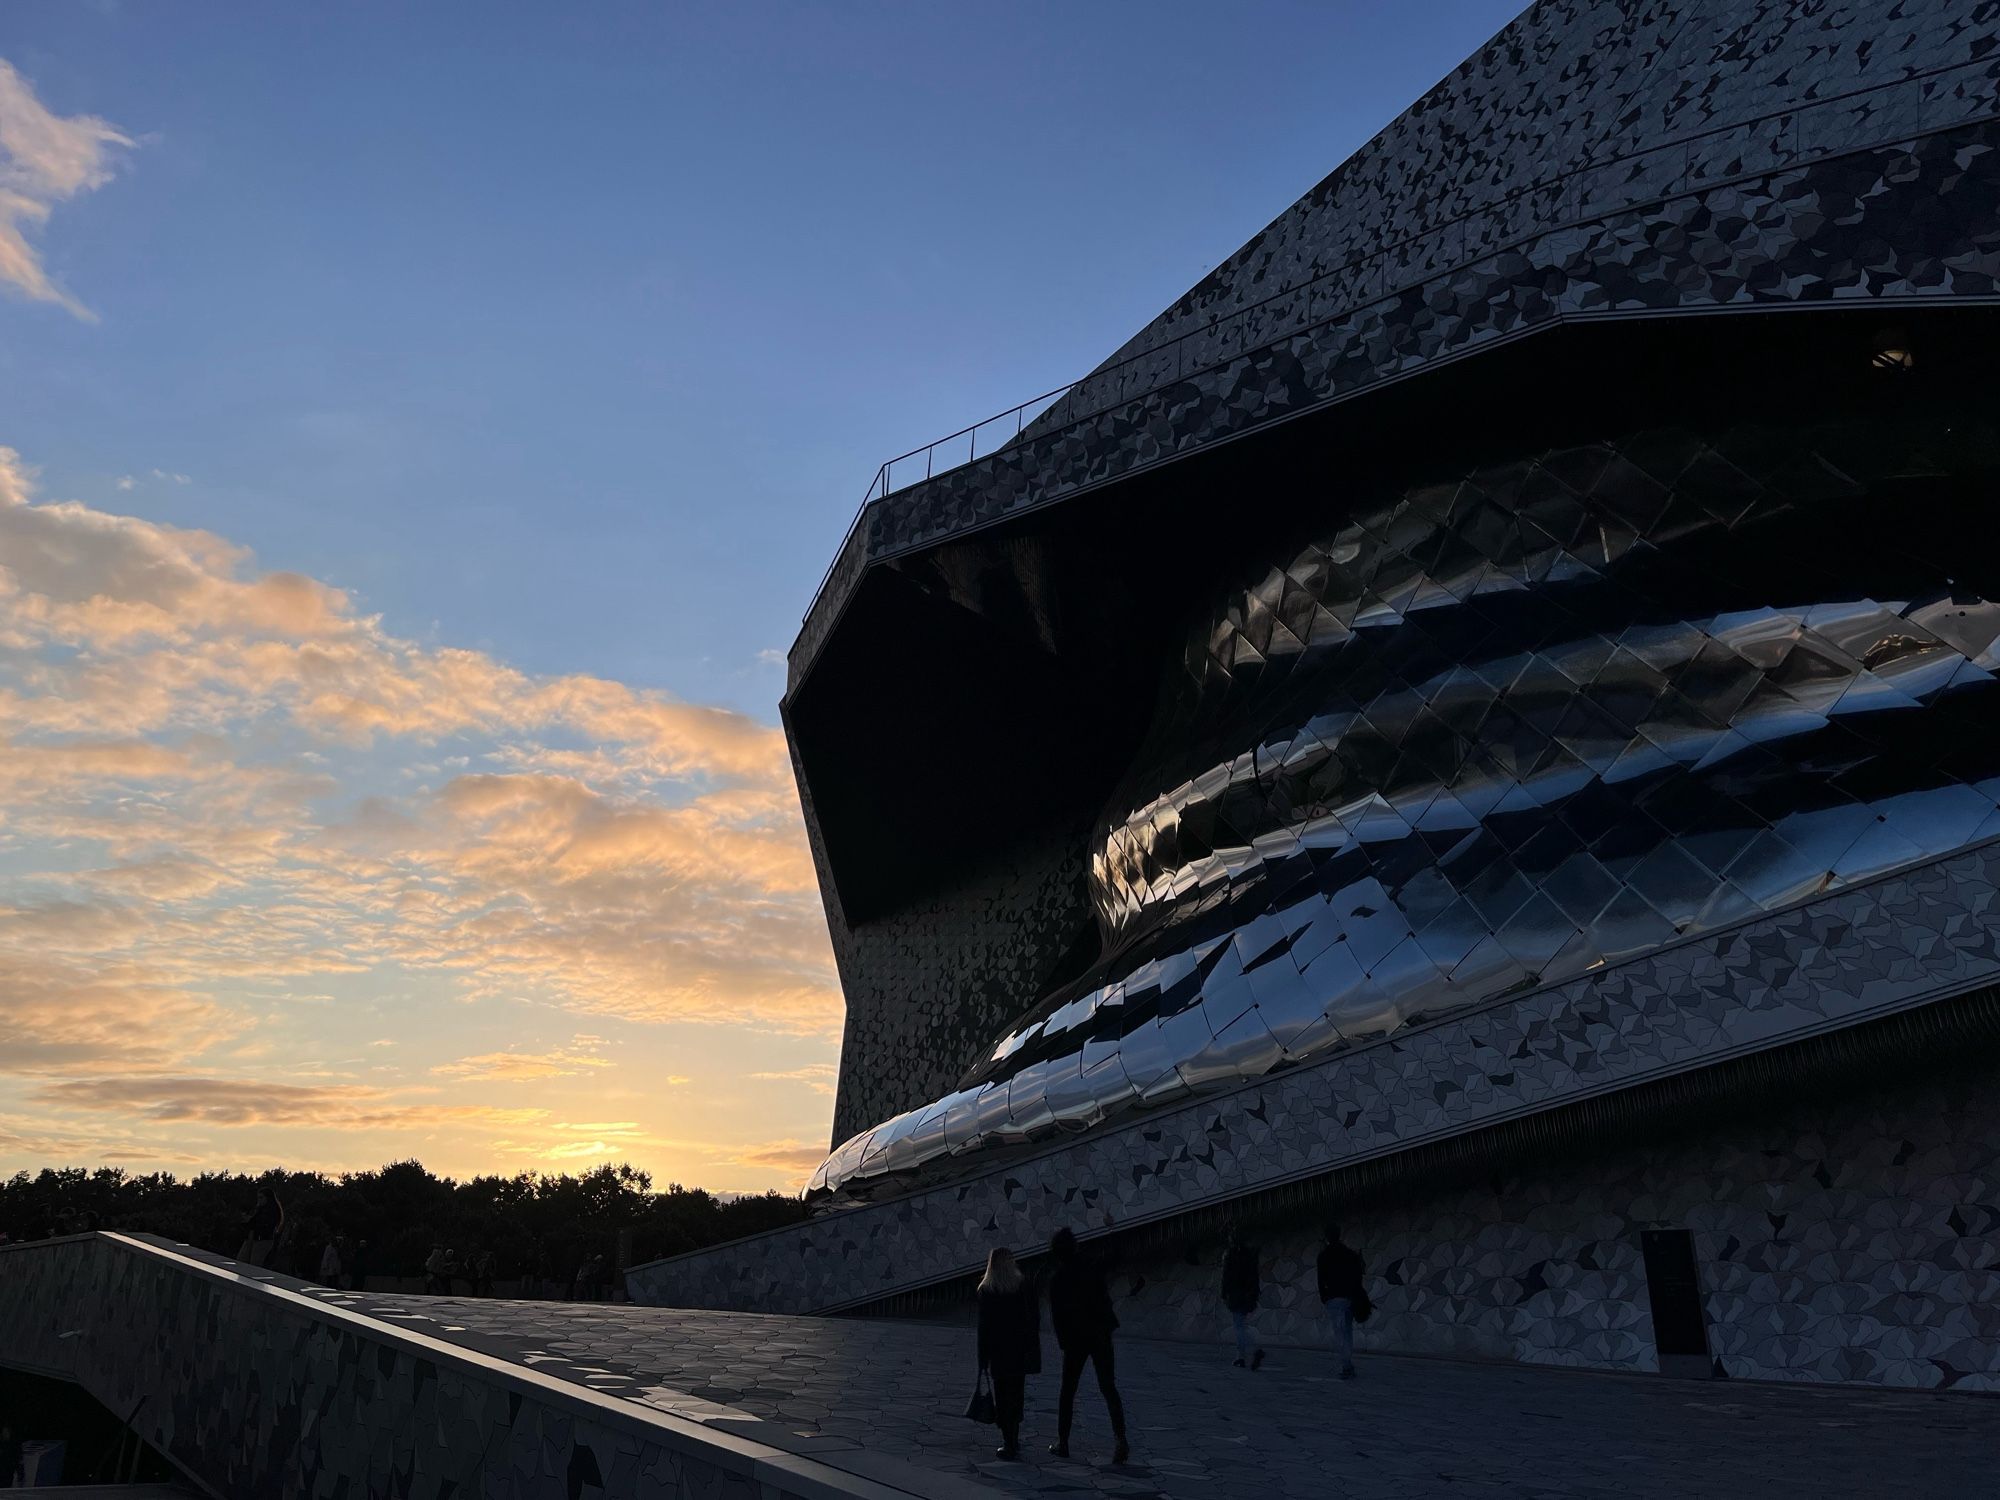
[(1486, 735)]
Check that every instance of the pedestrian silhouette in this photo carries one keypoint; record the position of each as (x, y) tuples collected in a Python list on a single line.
[(1010, 1343), (1342, 1294), (1080, 1312), (1239, 1295), (261, 1227)]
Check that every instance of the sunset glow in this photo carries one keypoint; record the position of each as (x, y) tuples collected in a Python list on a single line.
[(280, 884)]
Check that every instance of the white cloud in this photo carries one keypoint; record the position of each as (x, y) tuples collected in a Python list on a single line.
[(44, 159)]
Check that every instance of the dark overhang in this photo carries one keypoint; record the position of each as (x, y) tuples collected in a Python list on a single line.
[(1576, 173)]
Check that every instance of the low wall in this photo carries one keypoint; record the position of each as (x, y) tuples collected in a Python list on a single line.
[(1848, 1238), (255, 1388)]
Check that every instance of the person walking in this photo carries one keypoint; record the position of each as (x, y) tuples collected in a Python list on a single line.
[(1080, 1312), (261, 1227), (329, 1265), (1239, 1295), (357, 1273), (1341, 1292), (1010, 1343)]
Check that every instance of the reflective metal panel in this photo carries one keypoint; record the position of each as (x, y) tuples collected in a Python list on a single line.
[(1482, 736)]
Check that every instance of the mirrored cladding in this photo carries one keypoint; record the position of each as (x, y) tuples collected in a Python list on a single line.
[(1479, 736)]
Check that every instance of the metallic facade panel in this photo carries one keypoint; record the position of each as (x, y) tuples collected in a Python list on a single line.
[(1489, 735)]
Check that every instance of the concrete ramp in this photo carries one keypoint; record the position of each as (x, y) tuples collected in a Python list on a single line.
[(256, 1385)]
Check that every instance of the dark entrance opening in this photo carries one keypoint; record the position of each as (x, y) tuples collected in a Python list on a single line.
[(1680, 1327), (71, 1438)]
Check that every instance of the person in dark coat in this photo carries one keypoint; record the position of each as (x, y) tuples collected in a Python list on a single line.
[(1080, 1312), (1010, 1343), (1239, 1295), (1340, 1290), (261, 1228)]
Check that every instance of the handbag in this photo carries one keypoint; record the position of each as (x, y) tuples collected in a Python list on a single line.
[(980, 1407), (1364, 1307)]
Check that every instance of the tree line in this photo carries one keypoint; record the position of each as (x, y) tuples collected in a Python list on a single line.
[(532, 1223)]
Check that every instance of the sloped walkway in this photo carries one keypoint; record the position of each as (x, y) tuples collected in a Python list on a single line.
[(851, 1392)]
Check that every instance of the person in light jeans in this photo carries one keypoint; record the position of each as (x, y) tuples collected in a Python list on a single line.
[(1341, 1291)]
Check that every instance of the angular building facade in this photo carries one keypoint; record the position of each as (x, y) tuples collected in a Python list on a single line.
[(1481, 719)]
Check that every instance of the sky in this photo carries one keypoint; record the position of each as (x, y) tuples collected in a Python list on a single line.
[(421, 431)]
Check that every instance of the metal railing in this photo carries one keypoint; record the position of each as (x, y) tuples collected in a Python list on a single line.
[(996, 432)]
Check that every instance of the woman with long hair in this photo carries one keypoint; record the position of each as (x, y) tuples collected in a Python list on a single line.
[(261, 1228), (1010, 1342)]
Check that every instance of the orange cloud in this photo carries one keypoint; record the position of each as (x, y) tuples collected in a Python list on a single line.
[(665, 876), (516, 1067), (797, 1157), (819, 1077), (38, 1140), (66, 1017), (256, 1101), (217, 784)]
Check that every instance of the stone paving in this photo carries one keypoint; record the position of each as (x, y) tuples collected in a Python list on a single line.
[(856, 1393)]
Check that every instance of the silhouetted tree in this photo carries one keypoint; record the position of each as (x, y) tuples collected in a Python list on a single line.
[(530, 1221)]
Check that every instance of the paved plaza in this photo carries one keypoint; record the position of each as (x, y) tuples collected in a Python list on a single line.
[(864, 1394)]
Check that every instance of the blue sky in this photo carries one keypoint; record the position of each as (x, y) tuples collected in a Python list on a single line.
[(575, 333), (433, 422)]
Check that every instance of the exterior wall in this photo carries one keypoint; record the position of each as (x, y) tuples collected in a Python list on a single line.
[(1849, 1241), (1616, 100), (1599, 159), (1892, 945), (1909, 224), (1522, 203), (257, 1390), (1498, 731), (929, 987)]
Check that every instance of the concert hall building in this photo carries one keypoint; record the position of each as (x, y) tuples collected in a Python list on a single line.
[(1479, 722)]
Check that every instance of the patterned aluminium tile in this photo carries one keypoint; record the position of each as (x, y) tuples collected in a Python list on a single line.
[(1709, 173), (1598, 160), (1898, 942), (1591, 755), (1494, 733)]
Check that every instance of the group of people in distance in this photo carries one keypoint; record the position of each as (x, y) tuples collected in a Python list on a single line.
[(1081, 1314)]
